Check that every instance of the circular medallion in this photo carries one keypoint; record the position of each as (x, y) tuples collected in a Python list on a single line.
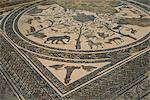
[(76, 28)]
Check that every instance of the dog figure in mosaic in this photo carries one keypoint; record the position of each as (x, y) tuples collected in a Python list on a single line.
[(58, 39), (92, 44)]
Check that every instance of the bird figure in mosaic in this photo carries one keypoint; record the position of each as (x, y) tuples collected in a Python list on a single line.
[(57, 66), (88, 68)]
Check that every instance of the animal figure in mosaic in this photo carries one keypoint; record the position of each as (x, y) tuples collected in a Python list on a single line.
[(117, 27), (32, 29), (57, 39), (92, 44), (102, 35), (37, 34), (91, 36), (57, 66), (88, 68), (117, 40), (133, 31)]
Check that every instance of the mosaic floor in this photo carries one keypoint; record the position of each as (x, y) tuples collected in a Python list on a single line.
[(5, 92), (77, 50)]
